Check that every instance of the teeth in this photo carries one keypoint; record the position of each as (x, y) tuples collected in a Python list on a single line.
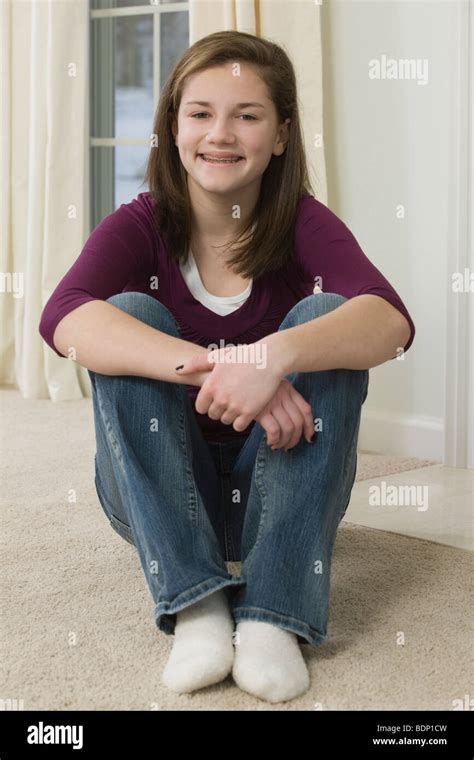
[(221, 160)]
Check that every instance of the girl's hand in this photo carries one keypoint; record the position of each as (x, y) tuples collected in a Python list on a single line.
[(234, 392), (285, 417)]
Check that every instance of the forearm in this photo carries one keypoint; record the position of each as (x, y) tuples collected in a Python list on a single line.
[(362, 333), (107, 340)]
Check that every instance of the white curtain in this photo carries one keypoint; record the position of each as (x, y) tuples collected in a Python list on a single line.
[(44, 166), (44, 179)]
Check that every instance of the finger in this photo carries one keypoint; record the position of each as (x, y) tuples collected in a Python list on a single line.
[(228, 416), (205, 397), (242, 422), (297, 418), (286, 427), (226, 420), (306, 411), (271, 427), (216, 411)]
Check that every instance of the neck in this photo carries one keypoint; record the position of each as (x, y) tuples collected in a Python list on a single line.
[(212, 213)]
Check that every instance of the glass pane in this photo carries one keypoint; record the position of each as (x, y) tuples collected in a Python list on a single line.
[(174, 40), (122, 77), (130, 166), (122, 48), (134, 76)]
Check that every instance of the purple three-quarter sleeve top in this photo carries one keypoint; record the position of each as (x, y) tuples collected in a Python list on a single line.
[(125, 252)]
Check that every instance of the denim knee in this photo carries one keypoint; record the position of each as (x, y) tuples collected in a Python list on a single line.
[(147, 309), (314, 306), (311, 307)]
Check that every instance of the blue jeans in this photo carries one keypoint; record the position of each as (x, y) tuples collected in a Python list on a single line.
[(189, 505)]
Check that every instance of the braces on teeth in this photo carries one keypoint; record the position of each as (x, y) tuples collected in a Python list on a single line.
[(221, 160)]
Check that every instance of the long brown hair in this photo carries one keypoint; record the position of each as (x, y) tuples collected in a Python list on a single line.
[(285, 180)]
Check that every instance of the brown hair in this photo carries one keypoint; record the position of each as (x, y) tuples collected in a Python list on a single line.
[(284, 181)]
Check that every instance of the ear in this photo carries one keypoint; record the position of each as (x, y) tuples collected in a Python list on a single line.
[(282, 139), (173, 124)]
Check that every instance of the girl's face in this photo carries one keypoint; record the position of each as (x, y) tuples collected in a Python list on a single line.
[(232, 116)]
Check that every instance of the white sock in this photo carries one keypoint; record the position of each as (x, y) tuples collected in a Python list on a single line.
[(268, 662), (202, 652)]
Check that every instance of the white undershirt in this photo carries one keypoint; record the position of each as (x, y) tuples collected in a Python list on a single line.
[(219, 304)]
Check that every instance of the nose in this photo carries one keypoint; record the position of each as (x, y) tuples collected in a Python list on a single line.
[(219, 131)]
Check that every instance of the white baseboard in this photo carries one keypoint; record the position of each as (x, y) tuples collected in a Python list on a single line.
[(402, 435)]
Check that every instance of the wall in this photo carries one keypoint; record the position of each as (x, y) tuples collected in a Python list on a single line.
[(387, 143)]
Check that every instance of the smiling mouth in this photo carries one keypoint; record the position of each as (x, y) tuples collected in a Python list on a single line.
[(221, 161)]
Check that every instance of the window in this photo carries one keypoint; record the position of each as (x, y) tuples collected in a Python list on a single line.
[(133, 46)]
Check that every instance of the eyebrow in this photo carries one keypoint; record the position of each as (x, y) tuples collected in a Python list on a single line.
[(238, 105)]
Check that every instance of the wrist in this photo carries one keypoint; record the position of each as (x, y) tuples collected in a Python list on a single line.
[(279, 353)]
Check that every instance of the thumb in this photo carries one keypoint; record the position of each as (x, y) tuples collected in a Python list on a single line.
[(198, 363)]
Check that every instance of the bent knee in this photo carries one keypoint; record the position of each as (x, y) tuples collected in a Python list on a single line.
[(312, 306), (147, 309)]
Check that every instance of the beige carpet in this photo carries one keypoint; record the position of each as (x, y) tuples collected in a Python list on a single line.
[(77, 628)]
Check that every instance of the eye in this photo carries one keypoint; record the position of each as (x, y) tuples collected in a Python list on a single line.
[(253, 118)]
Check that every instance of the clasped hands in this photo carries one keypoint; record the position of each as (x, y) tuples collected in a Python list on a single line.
[(237, 392)]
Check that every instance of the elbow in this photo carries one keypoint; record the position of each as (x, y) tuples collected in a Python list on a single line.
[(402, 335), (44, 331), (404, 331)]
